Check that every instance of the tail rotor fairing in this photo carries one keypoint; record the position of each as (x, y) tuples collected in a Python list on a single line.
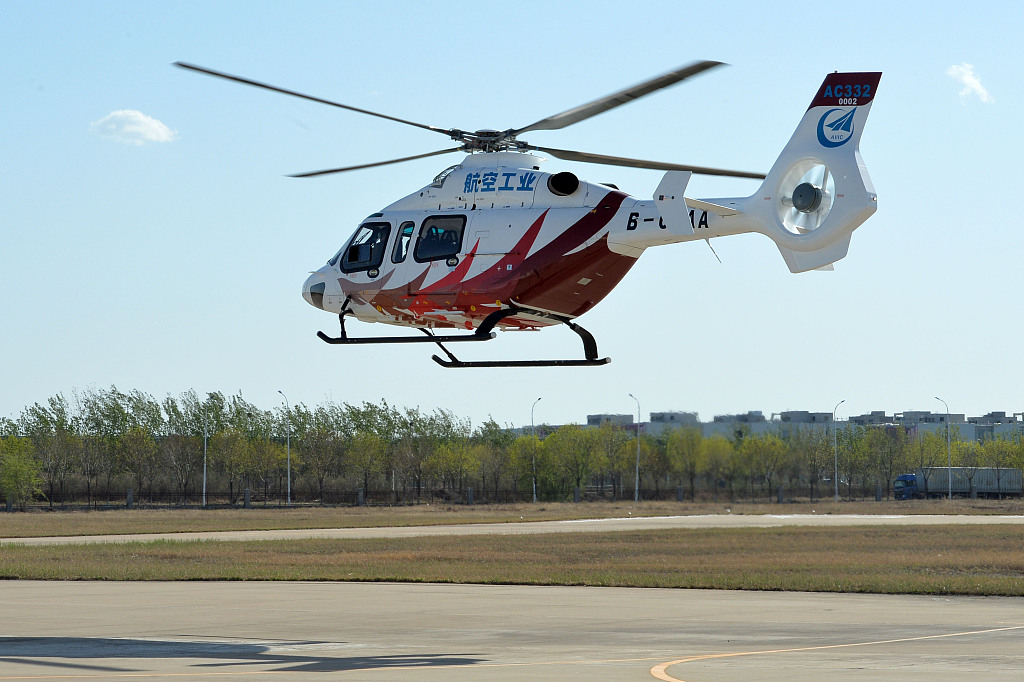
[(805, 196)]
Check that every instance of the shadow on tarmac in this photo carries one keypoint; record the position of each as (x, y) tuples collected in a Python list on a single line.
[(281, 656)]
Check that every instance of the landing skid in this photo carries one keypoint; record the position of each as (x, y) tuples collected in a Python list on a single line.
[(485, 332), (589, 348)]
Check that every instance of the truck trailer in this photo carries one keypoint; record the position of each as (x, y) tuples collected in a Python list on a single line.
[(966, 482)]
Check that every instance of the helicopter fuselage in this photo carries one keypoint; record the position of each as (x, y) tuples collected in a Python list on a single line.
[(490, 233)]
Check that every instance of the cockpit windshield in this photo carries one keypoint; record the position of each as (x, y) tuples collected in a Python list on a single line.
[(365, 250)]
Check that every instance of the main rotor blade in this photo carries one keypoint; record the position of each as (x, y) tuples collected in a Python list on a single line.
[(587, 157), (371, 165), (567, 118), (274, 88)]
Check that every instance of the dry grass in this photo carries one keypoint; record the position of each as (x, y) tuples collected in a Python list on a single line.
[(980, 560), (115, 522)]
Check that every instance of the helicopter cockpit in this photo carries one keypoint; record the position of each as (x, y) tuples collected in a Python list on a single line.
[(365, 250)]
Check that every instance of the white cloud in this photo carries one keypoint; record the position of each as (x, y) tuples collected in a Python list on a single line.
[(964, 73), (132, 127)]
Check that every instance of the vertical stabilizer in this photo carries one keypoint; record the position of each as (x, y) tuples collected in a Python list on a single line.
[(818, 192)]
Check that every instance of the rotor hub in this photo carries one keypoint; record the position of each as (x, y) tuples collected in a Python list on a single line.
[(806, 197)]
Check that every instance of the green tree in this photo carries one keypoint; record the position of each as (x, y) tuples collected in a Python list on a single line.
[(812, 452), (735, 468), (267, 462), (181, 458), (853, 457), (320, 444), (527, 459), (366, 456), (887, 446), (495, 453), (717, 455), (927, 452), (575, 453), (90, 459), (426, 433), (20, 478), (104, 420), (52, 431), (654, 462), (452, 461), (765, 454), (998, 454), (229, 453), (685, 452), (614, 445), (137, 452), (967, 455)]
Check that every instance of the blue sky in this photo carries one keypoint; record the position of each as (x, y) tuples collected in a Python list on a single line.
[(164, 250)]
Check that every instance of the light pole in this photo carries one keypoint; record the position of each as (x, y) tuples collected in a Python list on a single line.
[(636, 487), (949, 452), (204, 455), (533, 449), (288, 445), (835, 447)]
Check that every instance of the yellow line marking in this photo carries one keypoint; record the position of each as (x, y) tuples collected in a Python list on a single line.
[(658, 671)]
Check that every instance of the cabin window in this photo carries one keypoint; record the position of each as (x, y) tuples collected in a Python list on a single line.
[(402, 242), (440, 237), (366, 249)]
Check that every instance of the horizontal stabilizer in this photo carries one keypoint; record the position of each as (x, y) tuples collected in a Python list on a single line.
[(717, 209)]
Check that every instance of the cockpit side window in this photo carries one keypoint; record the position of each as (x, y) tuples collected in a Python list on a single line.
[(440, 237), (402, 242), (366, 249)]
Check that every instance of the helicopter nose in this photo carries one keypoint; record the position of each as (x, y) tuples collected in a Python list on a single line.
[(313, 290)]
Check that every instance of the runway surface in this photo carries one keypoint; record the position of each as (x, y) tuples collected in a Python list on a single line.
[(404, 632), (533, 527), (417, 632)]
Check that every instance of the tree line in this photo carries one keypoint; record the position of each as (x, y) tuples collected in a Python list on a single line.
[(96, 445)]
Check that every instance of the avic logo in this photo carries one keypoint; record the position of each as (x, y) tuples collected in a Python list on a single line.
[(839, 127)]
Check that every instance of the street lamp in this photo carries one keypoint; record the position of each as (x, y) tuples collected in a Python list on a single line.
[(205, 437), (636, 488), (835, 447), (949, 452), (533, 449), (288, 443)]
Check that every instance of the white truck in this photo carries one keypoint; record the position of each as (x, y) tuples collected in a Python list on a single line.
[(966, 482)]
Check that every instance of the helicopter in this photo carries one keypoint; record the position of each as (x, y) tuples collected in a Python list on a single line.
[(493, 242)]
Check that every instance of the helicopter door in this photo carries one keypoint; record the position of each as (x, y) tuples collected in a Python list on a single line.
[(440, 239), (440, 242)]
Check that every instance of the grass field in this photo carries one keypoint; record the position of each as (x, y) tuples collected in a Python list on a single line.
[(170, 520), (976, 560), (973, 560)]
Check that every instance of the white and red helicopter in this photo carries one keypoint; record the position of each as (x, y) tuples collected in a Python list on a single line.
[(496, 242)]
